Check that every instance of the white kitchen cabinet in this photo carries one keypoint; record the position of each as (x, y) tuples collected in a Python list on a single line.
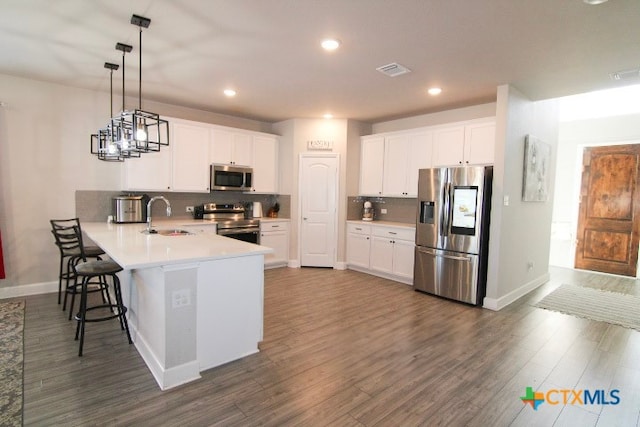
[(231, 147), (382, 250), (371, 165), (275, 235), (190, 156), (392, 251), (404, 155), (265, 164), (464, 144), (480, 143), (150, 172), (358, 245)]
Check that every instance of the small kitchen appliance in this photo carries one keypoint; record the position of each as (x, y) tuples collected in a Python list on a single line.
[(130, 208), (367, 211), (256, 210)]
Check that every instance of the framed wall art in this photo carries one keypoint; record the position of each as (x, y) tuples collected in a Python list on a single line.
[(537, 156)]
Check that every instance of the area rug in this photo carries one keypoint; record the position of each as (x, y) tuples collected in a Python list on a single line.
[(11, 362), (594, 304)]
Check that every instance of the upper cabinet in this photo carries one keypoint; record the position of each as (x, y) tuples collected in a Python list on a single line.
[(404, 155), (469, 144), (371, 164), (231, 146), (389, 164), (190, 156), (265, 164), (184, 165)]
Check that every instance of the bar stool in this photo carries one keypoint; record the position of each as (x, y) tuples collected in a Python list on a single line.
[(88, 270), (70, 254)]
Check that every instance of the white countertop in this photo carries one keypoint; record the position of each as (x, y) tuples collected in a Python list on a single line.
[(384, 223), (130, 248)]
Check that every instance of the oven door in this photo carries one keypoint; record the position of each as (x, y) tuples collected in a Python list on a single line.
[(250, 235)]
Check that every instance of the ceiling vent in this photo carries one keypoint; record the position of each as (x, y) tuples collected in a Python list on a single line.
[(626, 74), (393, 70)]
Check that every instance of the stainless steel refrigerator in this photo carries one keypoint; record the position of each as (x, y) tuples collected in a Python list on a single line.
[(452, 232)]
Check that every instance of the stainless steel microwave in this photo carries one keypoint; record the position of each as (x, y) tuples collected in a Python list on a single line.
[(231, 178)]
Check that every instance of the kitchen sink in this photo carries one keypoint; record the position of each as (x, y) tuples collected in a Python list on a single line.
[(169, 232)]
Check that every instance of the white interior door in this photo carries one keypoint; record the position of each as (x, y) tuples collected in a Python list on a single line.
[(318, 208)]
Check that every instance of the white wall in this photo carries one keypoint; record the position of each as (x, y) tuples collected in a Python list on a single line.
[(519, 232), (441, 117), (44, 158), (573, 137)]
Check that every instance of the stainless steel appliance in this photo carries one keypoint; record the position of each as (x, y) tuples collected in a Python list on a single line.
[(130, 208), (231, 221), (230, 178), (452, 232)]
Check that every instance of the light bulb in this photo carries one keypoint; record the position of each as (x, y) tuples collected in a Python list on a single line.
[(141, 134)]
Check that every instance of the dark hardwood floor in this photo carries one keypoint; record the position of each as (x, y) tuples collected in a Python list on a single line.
[(343, 348)]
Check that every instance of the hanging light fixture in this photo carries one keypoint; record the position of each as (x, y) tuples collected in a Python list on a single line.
[(120, 128), (102, 142), (144, 131)]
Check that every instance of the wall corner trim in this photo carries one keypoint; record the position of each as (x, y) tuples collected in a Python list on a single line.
[(497, 304)]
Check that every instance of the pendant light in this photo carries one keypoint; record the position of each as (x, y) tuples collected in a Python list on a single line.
[(102, 143), (146, 131), (121, 129)]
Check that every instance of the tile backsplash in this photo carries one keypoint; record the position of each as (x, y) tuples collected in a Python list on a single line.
[(398, 209), (93, 206)]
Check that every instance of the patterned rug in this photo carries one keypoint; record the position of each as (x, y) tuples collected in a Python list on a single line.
[(594, 304), (11, 362)]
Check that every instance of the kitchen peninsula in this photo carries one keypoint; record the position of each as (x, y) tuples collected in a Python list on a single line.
[(195, 301)]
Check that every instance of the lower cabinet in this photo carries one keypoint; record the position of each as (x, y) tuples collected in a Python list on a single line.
[(275, 235), (382, 250)]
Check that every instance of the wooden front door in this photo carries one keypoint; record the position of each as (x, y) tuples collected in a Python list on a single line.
[(609, 212)]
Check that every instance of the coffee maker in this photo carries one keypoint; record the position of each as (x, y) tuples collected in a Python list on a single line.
[(367, 211)]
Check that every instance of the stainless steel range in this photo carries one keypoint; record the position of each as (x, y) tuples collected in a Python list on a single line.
[(231, 221)]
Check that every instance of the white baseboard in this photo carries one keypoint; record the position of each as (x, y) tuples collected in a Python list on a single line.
[(26, 290), (293, 263), (496, 304), (340, 266)]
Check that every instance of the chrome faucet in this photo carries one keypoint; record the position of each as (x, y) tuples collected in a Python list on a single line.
[(153, 199)]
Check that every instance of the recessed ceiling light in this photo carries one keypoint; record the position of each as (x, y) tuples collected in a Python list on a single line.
[(330, 44), (328, 116), (434, 91), (592, 2), (230, 93)]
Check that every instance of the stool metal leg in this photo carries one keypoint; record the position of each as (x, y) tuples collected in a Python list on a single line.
[(124, 325), (82, 314)]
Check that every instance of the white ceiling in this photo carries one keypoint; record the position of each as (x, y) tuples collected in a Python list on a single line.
[(268, 50)]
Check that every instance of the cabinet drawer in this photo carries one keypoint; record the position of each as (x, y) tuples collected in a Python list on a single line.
[(397, 233), (274, 226), (359, 228)]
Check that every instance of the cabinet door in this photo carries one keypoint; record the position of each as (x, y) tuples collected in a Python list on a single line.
[(448, 146), (265, 165), (395, 173), (190, 157), (371, 165), (221, 150), (151, 172), (403, 254), (279, 242), (358, 249), (420, 157), (242, 150), (381, 254), (480, 143)]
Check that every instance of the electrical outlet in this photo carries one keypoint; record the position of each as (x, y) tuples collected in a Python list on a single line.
[(383, 211), (189, 208), (180, 298)]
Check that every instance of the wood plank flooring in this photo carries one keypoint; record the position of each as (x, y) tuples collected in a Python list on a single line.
[(343, 348)]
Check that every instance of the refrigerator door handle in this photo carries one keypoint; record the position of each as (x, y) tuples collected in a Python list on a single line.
[(457, 258), (446, 208)]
